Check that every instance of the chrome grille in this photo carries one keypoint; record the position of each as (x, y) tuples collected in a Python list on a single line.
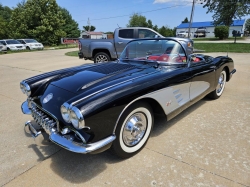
[(44, 118)]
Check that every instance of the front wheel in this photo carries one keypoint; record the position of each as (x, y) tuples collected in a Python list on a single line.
[(133, 130), (101, 57), (220, 86)]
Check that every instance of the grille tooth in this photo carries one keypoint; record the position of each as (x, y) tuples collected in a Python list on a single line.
[(43, 118)]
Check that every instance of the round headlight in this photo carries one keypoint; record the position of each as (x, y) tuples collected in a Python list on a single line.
[(76, 118), (65, 112), (25, 88)]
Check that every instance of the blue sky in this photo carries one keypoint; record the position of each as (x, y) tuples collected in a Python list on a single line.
[(106, 15)]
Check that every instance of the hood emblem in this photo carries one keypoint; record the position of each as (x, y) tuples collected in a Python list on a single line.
[(47, 98)]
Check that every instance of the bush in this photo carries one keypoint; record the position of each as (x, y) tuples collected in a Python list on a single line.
[(221, 32)]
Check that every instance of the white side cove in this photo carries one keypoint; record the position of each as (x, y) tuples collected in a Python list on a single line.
[(197, 88), (173, 97)]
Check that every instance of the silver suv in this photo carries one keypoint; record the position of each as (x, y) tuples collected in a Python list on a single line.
[(31, 44), (12, 45), (3, 48)]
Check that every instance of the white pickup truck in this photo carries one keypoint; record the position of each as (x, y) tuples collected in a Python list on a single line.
[(103, 50)]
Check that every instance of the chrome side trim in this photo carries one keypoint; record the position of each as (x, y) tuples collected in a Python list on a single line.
[(80, 148), (25, 108)]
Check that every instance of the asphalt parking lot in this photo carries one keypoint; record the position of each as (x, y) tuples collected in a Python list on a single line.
[(206, 145)]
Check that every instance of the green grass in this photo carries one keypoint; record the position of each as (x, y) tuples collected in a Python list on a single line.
[(217, 39), (72, 53), (223, 47)]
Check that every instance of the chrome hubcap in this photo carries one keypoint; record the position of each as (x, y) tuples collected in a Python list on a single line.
[(101, 58), (221, 83), (134, 129)]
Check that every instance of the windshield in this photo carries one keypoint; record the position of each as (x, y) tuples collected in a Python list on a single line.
[(30, 41), (154, 50), (12, 42)]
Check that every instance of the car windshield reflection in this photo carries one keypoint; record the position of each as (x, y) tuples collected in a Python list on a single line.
[(168, 51)]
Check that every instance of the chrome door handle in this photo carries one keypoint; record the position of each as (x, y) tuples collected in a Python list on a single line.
[(120, 42)]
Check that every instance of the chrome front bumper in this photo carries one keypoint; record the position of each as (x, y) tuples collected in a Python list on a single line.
[(65, 141)]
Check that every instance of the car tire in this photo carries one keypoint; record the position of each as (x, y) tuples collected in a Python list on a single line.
[(28, 48), (101, 57), (8, 49), (220, 86), (133, 130)]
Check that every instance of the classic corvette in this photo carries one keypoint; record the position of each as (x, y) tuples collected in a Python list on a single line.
[(94, 107)]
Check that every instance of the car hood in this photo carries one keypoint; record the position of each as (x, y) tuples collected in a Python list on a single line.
[(101, 76)]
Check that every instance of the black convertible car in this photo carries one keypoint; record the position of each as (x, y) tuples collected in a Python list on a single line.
[(94, 107)]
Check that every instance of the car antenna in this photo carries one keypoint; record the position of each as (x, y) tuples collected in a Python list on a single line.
[(118, 25)]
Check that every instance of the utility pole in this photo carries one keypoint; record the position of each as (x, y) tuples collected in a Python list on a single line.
[(89, 25), (191, 19)]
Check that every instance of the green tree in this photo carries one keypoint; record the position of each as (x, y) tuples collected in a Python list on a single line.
[(166, 31), (185, 20), (155, 27), (225, 11), (5, 14), (86, 28), (174, 31), (70, 26), (39, 19), (221, 32), (247, 25), (137, 20), (150, 24)]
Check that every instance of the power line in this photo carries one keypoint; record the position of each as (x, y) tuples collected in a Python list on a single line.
[(97, 19)]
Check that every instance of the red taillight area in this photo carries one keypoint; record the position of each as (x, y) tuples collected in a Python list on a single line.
[(79, 46)]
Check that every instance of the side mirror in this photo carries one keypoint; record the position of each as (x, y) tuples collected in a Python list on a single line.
[(157, 36)]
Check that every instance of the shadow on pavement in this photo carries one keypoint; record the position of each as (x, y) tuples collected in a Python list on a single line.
[(80, 168)]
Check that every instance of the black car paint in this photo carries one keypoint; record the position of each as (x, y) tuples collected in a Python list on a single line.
[(101, 110)]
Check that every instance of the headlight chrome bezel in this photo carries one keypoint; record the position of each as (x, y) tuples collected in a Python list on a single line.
[(73, 115), (65, 112), (25, 88)]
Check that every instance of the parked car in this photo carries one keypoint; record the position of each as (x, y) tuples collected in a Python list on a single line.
[(104, 50), (31, 44), (92, 107), (200, 32), (183, 34), (12, 44), (3, 48)]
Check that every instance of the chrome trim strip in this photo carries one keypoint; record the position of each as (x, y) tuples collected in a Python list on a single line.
[(75, 102), (67, 143), (80, 148), (25, 108)]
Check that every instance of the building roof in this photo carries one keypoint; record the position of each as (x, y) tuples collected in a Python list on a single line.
[(208, 24), (92, 33)]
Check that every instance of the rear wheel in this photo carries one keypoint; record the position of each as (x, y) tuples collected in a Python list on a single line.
[(101, 57), (133, 130), (220, 86)]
